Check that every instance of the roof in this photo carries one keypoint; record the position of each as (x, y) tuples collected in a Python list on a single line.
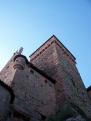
[(53, 36)]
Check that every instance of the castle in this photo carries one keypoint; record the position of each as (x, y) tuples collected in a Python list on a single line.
[(46, 88)]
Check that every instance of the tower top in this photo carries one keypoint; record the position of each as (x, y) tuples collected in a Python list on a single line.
[(49, 42)]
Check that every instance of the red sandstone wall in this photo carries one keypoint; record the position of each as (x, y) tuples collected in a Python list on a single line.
[(58, 64), (34, 93), (7, 73), (48, 62), (4, 103)]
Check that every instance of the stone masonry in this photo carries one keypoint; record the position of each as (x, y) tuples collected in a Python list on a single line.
[(89, 92), (55, 60), (48, 87)]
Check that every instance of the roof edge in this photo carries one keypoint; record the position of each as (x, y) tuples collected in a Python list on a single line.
[(49, 40), (41, 45)]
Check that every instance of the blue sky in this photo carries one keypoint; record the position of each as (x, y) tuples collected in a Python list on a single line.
[(29, 23)]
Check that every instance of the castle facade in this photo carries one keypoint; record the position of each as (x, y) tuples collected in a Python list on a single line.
[(48, 87)]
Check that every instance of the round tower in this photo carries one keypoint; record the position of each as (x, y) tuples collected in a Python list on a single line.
[(20, 61)]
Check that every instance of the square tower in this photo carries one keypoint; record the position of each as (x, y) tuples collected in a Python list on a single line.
[(56, 61)]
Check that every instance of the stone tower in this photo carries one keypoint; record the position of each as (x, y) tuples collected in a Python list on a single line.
[(47, 86), (55, 59)]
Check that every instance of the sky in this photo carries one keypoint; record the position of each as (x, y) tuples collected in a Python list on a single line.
[(29, 23)]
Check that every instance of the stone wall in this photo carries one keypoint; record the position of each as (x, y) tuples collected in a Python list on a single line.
[(74, 88), (58, 63), (7, 73), (5, 98), (50, 85), (46, 61), (34, 93), (89, 92)]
